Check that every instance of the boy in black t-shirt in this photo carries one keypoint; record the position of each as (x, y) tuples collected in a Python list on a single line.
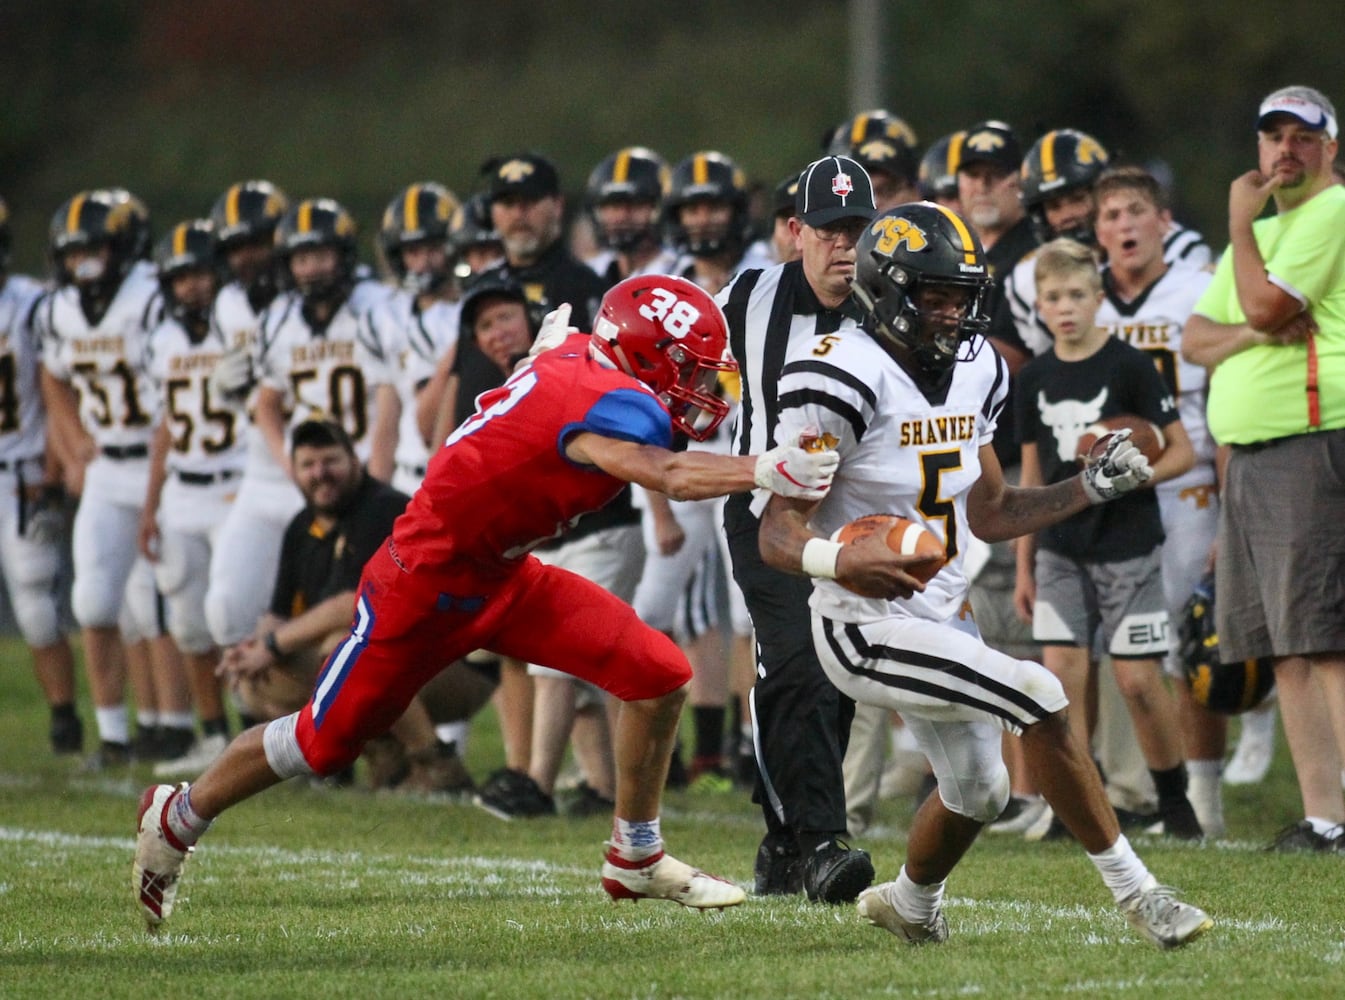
[(1098, 574)]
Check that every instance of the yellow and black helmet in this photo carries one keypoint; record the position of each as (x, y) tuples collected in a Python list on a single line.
[(634, 174), (708, 176), (1062, 160), (320, 222), (878, 140), (248, 213), (110, 217), (938, 167), (906, 249), (420, 213)]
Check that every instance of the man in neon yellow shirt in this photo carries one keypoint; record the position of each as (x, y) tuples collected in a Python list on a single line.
[(1271, 326)]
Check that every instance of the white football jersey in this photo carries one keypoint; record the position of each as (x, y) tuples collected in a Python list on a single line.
[(239, 325), (327, 375), (900, 453), (23, 420), (604, 261), (1182, 248), (207, 433), (410, 343), (1153, 322), (104, 362)]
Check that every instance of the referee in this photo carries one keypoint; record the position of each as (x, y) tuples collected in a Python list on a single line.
[(801, 721)]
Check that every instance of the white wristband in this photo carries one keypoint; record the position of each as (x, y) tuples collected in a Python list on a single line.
[(819, 557)]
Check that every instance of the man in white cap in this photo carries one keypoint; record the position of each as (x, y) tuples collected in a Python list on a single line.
[(1271, 326)]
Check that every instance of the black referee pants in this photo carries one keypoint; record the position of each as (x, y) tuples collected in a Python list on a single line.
[(803, 721)]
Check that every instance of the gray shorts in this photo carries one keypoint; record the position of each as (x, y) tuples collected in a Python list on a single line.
[(1280, 576), (1118, 604)]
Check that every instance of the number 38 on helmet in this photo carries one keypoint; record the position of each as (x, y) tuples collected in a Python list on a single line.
[(668, 333)]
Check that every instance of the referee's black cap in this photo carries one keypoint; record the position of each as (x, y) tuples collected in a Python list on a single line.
[(834, 188)]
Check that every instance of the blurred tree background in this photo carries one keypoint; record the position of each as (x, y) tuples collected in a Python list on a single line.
[(355, 98)]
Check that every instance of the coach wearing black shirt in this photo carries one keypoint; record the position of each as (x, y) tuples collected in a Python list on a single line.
[(802, 722), (347, 515)]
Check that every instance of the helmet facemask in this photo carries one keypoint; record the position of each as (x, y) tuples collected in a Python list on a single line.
[(935, 342)]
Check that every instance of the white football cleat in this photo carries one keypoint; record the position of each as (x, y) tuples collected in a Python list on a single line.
[(874, 907), (664, 877), (1157, 913), (159, 856), (191, 764)]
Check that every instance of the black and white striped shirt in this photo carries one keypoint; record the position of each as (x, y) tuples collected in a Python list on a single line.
[(767, 310)]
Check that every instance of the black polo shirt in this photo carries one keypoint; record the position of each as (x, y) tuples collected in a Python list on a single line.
[(316, 564)]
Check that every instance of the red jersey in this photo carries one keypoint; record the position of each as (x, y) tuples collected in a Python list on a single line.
[(501, 484)]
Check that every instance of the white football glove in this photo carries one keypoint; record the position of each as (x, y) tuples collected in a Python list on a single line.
[(791, 471), (1119, 469), (554, 329), (232, 377)]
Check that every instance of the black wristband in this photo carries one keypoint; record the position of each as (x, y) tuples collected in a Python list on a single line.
[(272, 646)]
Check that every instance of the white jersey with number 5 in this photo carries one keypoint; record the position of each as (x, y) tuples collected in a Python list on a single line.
[(901, 453)]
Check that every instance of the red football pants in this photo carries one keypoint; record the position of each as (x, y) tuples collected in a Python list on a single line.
[(408, 627)]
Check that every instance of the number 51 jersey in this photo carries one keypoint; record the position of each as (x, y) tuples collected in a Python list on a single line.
[(901, 453)]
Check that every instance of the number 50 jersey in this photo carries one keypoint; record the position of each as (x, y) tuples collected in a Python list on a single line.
[(902, 452)]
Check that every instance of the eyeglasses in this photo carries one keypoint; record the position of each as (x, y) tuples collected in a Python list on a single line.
[(849, 228)]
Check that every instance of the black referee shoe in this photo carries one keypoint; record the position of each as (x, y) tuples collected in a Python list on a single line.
[(779, 868), (836, 873)]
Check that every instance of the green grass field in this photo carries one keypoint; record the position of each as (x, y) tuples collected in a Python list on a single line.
[(311, 892)]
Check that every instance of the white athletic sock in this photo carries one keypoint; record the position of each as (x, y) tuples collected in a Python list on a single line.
[(177, 720), (1121, 869), (114, 725), (146, 718), (1204, 791), (1320, 825), (454, 732), (1259, 724), (915, 902), (636, 840)]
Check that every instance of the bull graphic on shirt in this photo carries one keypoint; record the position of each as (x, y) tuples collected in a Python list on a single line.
[(1068, 418)]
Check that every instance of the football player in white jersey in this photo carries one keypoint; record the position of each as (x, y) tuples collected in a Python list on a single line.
[(196, 460), (413, 329), (93, 327), (1147, 302), (911, 406), (311, 354), (31, 517), (624, 198), (1057, 176), (708, 220), (247, 548)]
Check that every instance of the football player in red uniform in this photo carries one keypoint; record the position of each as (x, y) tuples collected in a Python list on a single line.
[(558, 439)]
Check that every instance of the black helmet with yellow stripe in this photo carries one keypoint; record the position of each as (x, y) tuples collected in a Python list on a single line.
[(314, 223), (938, 167), (708, 176), (633, 175), (110, 218), (420, 213), (248, 213), (879, 141), (188, 246), (1062, 160), (904, 254)]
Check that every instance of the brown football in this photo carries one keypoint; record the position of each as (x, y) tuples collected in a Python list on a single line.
[(904, 536), (1146, 437)]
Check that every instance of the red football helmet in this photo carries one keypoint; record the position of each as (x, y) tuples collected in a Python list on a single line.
[(668, 333)]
